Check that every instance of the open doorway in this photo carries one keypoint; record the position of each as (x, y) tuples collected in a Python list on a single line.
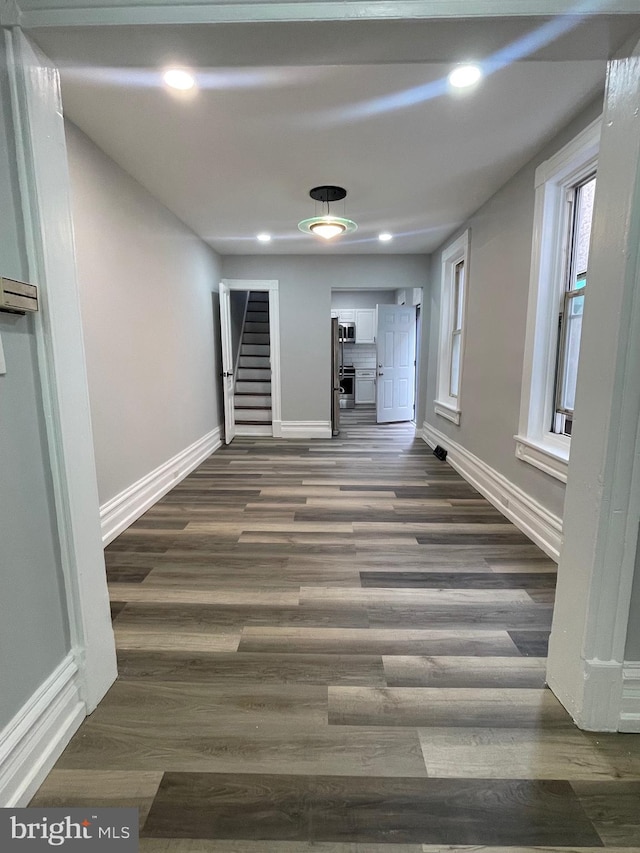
[(250, 335), (370, 391)]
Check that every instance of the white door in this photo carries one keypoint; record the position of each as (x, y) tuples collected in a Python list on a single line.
[(396, 352), (227, 363)]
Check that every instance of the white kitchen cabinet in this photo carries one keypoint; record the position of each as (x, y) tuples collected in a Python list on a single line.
[(365, 325), (347, 315), (365, 386)]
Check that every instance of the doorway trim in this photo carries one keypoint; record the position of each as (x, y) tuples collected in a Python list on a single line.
[(272, 288), (45, 196)]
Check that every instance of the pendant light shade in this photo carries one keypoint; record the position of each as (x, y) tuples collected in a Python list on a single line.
[(327, 226)]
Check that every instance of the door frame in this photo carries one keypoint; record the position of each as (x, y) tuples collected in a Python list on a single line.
[(271, 286), (36, 108)]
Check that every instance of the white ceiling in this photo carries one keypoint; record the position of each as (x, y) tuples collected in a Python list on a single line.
[(282, 108)]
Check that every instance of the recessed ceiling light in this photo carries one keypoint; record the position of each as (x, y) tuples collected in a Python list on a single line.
[(264, 238), (385, 237), (465, 75), (178, 78)]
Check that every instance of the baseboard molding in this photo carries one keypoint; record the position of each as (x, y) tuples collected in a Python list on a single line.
[(630, 710), (248, 430), (306, 429), (118, 513), (541, 526), (34, 740)]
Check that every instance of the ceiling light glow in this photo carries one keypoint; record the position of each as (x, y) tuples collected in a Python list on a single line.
[(264, 238), (328, 229), (464, 76), (178, 78), (385, 237)]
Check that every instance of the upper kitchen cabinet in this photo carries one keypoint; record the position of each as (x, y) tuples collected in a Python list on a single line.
[(365, 319), (344, 315)]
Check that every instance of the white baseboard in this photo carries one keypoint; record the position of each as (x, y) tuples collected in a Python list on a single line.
[(630, 710), (118, 513), (544, 528), (248, 430), (306, 429), (34, 740)]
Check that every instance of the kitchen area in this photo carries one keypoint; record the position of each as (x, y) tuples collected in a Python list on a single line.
[(354, 359)]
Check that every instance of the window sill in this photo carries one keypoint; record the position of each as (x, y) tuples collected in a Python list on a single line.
[(447, 411), (553, 460)]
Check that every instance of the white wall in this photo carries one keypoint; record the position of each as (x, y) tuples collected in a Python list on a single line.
[(306, 282), (361, 298), (149, 304), (498, 285)]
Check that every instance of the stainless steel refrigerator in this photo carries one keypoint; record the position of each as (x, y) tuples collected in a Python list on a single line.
[(336, 368)]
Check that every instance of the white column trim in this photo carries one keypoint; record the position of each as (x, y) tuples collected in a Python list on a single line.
[(44, 191), (602, 502)]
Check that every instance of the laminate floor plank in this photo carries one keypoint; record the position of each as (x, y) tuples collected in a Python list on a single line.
[(205, 618), (533, 617), (146, 639), (184, 595), (269, 578), (441, 671), (379, 641), (193, 706), (534, 563), (539, 753), (446, 706), (531, 642), (412, 597), (449, 580), (613, 808), (99, 788), (223, 669), (337, 646), (326, 808), (305, 750), (127, 574)]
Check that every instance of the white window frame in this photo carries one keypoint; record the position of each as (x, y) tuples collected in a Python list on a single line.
[(535, 442), (445, 404)]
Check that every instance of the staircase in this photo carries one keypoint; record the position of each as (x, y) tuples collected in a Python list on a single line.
[(252, 394)]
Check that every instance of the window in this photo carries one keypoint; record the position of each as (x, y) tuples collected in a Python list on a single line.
[(580, 201), (452, 311), (565, 189)]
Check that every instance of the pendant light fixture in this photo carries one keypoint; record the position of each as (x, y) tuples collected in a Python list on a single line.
[(327, 226)]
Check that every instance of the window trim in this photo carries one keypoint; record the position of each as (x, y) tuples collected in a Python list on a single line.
[(535, 443), (445, 404)]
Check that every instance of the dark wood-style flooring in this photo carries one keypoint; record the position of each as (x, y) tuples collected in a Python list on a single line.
[(339, 646)]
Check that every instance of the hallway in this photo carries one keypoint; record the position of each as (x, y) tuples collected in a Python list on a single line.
[(338, 646)]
